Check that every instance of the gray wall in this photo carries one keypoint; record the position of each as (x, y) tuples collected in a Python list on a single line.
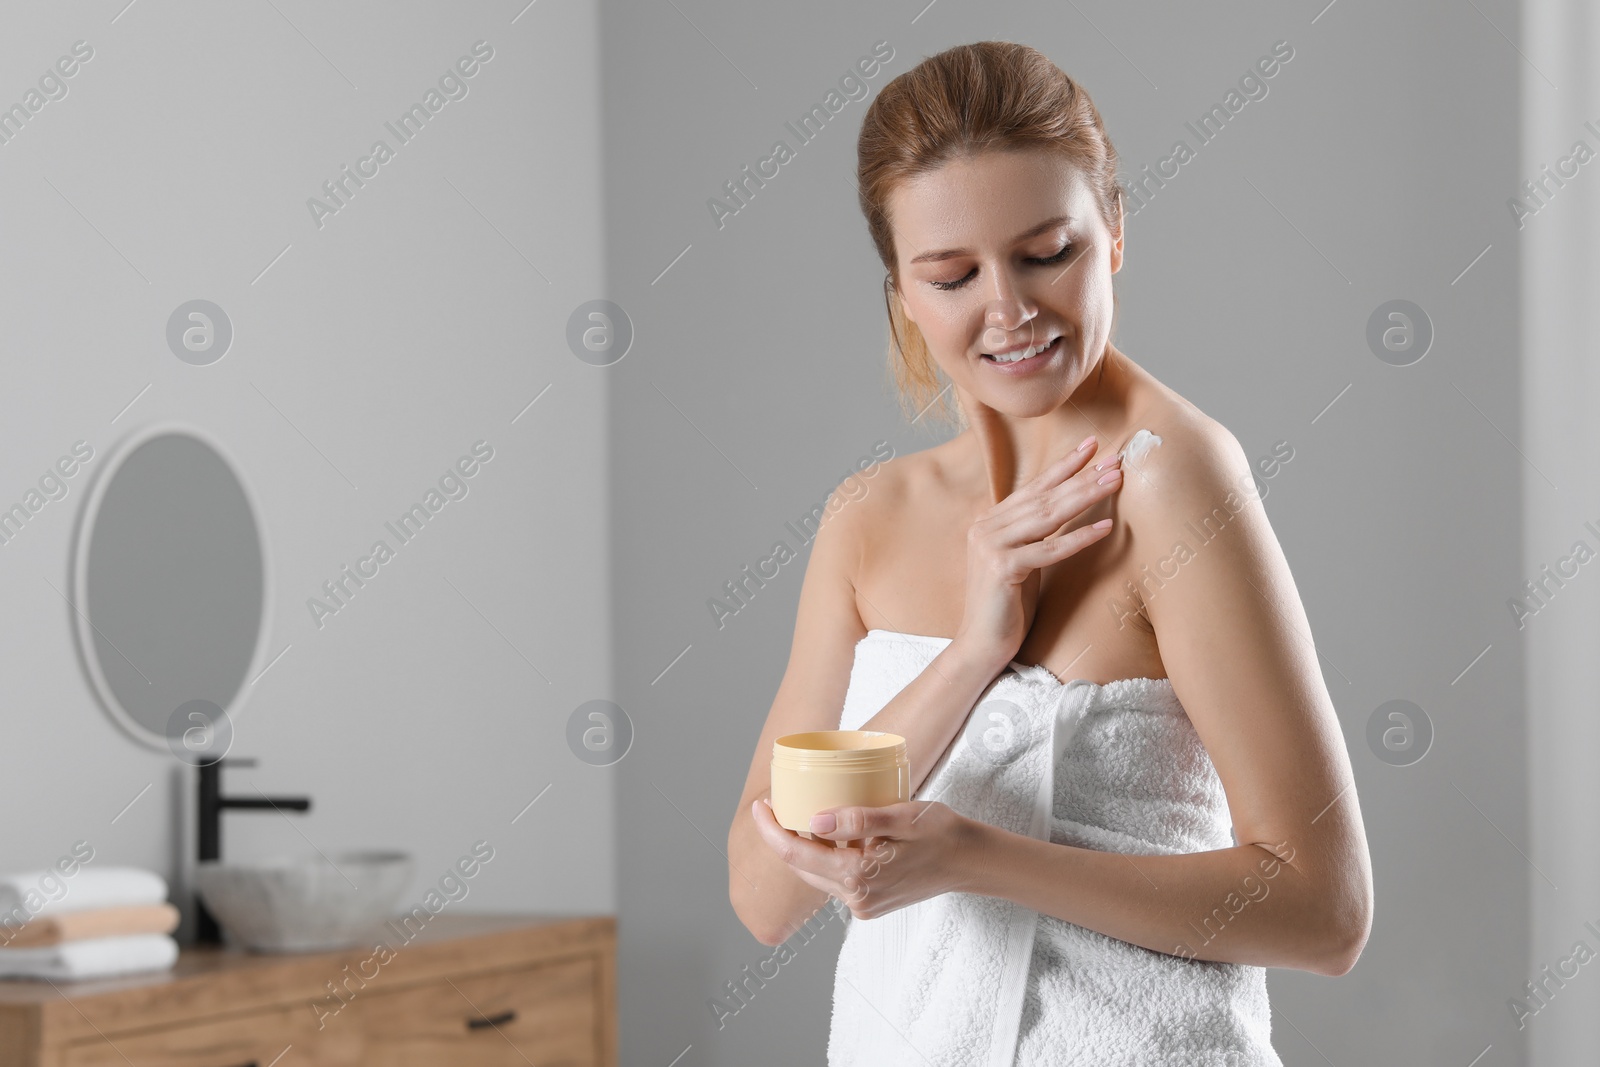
[(1561, 447), (365, 360), (428, 313), (1376, 168)]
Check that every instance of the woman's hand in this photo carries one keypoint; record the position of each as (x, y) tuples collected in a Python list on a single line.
[(910, 852), (1011, 541)]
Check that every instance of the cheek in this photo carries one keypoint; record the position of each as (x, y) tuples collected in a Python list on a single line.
[(1100, 279), (943, 321), (959, 321), (1085, 294)]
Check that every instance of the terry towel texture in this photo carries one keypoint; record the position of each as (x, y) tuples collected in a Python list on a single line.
[(35, 893), (93, 957), (977, 981)]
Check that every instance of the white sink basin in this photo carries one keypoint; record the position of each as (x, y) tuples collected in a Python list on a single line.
[(304, 903)]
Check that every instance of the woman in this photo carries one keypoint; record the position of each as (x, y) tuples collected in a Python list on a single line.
[(1114, 859)]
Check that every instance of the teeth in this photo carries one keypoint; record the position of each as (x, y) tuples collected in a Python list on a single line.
[(1021, 353)]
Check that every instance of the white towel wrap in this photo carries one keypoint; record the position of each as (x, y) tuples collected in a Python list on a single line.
[(978, 981)]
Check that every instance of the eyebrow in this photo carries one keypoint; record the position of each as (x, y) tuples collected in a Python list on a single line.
[(952, 253)]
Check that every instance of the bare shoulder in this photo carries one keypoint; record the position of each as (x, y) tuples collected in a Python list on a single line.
[(1189, 504), (893, 491), (1178, 462)]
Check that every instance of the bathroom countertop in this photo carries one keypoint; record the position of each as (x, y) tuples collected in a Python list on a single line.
[(211, 977)]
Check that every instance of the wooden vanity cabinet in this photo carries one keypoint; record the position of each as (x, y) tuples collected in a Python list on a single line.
[(467, 990)]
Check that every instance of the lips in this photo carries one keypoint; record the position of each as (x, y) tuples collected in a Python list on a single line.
[(1042, 354)]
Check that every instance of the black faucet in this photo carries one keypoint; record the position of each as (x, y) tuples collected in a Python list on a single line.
[(211, 803)]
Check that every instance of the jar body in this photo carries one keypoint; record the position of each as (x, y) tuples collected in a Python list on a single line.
[(836, 768)]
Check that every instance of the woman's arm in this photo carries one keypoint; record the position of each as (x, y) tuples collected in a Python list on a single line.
[(1237, 905), (769, 898), (767, 895), (1297, 889)]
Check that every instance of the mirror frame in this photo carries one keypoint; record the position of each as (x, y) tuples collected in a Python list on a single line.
[(77, 591)]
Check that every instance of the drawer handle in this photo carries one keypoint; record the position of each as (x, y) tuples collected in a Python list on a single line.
[(488, 1020)]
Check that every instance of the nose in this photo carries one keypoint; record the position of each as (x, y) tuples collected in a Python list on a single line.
[(1007, 311)]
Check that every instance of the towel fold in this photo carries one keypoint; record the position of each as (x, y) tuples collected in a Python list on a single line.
[(96, 922), (91, 957), (29, 894)]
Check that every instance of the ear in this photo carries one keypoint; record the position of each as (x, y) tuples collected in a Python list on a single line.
[(1116, 238), (905, 309)]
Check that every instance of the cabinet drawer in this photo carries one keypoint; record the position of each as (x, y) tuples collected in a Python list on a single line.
[(545, 1015), (280, 1037)]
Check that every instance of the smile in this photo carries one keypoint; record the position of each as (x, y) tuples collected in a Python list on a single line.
[(1024, 359)]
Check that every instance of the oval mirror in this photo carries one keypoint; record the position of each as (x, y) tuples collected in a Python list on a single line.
[(169, 582)]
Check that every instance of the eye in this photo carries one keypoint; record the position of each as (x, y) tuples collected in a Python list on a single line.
[(1066, 250), (958, 283)]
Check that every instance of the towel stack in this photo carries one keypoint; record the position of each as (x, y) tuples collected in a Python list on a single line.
[(97, 922)]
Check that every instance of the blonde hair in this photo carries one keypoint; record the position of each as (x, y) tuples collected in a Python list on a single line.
[(992, 95)]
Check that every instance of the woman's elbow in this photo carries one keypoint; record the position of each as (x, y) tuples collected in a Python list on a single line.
[(1339, 962), (748, 905), (1352, 926), (752, 922)]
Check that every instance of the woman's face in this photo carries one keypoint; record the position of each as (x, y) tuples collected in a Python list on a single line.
[(1002, 250)]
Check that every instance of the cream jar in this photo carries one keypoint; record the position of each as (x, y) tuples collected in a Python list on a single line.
[(823, 769)]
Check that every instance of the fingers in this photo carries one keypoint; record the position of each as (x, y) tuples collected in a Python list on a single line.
[(800, 853), (1063, 468), (774, 834), (1052, 475), (858, 823), (1050, 550), (1043, 512)]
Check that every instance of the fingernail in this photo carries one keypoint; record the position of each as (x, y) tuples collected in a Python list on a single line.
[(824, 823), (1110, 476), (1087, 441)]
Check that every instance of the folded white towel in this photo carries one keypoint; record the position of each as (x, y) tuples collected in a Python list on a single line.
[(47, 892), (90, 957)]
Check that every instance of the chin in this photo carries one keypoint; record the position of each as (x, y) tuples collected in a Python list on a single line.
[(1028, 401)]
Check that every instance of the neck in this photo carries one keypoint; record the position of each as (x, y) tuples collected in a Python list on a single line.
[(1015, 449)]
